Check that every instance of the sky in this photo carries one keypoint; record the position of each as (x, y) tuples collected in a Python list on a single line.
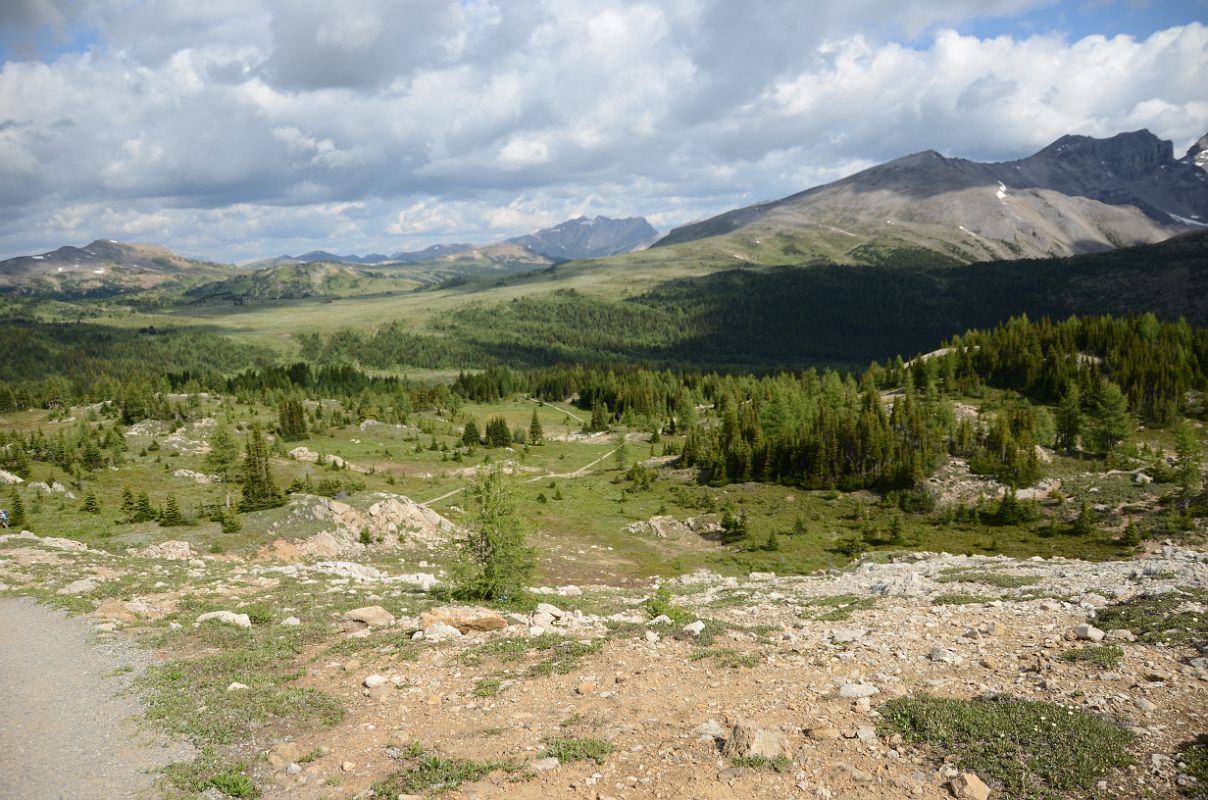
[(242, 129)]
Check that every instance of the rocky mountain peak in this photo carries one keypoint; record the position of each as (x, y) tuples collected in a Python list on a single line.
[(1130, 156), (1198, 154)]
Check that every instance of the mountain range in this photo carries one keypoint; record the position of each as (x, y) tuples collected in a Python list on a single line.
[(575, 238), (1077, 195)]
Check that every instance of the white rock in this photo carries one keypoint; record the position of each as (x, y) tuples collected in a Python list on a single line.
[(852, 691), (236, 686), (227, 617), (374, 681), (695, 628), (545, 764), (1088, 632), (291, 621), (440, 631)]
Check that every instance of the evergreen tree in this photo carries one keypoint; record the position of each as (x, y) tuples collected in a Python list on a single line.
[(91, 504), (1189, 472), (535, 432), (1085, 523), (258, 489), (498, 434), (143, 512), (1111, 424), (470, 436), (599, 416), (498, 559), (171, 516), (291, 420), (733, 527), (16, 511), (224, 453), (621, 454), (128, 503), (1069, 418), (230, 520)]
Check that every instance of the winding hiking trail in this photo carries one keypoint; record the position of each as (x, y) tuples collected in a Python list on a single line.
[(68, 720)]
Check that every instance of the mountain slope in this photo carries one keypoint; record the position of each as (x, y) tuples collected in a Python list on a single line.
[(1077, 195), (584, 238), (105, 267)]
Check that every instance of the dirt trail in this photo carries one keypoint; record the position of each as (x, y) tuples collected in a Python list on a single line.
[(69, 728)]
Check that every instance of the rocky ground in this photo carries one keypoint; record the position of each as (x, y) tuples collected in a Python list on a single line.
[(757, 687)]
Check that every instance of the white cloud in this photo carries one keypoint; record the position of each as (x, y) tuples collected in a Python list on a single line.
[(373, 125)]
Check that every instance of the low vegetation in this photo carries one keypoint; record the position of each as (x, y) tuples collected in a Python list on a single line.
[(1031, 749)]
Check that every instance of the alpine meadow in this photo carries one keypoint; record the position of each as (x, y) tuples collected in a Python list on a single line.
[(783, 401)]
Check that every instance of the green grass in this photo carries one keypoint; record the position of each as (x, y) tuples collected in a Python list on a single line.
[(556, 655), (569, 749), (1033, 750), (435, 774), (1158, 618), (1194, 755), (780, 763), (488, 687), (836, 608), (1104, 656), (1000, 580), (726, 657), (961, 599)]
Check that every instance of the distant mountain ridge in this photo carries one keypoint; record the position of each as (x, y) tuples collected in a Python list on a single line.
[(105, 267), (589, 238), (575, 238), (1079, 194)]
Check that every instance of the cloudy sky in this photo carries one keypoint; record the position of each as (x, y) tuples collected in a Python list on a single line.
[(237, 129)]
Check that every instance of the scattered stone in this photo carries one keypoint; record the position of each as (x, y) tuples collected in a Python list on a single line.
[(465, 620), (283, 754), (348, 766), (585, 688), (227, 618), (845, 635), (852, 691), (750, 741), (1120, 635), (439, 631), (291, 621), (968, 785), (172, 550), (235, 686), (116, 610), (824, 732), (374, 681), (942, 655), (710, 730), (1144, 706), (1088, 633), (81, 586), (372, 616), (695, 628), (545, 764)]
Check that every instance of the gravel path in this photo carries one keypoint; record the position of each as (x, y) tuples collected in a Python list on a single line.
[(68, 725)]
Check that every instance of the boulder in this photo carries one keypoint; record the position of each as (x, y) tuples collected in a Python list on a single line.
[(967, 785), (371, 616), (464, 619), (227, 618), (1087, 632), (751, 741)]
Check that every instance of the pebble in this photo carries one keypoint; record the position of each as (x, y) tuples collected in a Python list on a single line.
[(1087, 633)]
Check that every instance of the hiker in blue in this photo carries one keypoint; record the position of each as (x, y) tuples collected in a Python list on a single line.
[(3, 518)]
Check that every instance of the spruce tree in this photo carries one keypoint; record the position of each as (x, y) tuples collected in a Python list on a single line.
[(498, 559), (91, 504), (171, 516), (498, 433), (224, 453), (535, 432), (1189, 472), (258, 489), (16, 511), (128, 503), (1111, 424), (470, 436), (143, 512)]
